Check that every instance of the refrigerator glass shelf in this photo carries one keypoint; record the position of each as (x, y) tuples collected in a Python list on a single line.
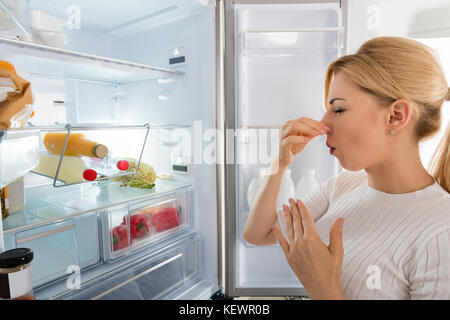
[(44, 205), (73, 65)]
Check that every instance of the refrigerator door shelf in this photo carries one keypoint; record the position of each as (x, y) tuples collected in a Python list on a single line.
[(295, 42), (74, 65), (128, 228)]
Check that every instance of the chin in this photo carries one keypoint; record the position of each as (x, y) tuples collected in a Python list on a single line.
[(350, 167)]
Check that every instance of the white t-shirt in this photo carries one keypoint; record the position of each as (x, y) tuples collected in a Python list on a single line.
[(396, 246)]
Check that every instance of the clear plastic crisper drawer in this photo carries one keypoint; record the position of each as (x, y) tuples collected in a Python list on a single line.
[(170, 270), (61, 247), (132, 226)]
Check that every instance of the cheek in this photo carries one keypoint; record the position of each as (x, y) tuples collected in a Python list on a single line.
[(362, 137)]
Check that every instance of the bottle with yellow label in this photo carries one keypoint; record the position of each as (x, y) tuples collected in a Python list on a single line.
[(77, 145), (4, 206)]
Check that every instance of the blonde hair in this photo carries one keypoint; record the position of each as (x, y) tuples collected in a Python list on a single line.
[(392, 68)]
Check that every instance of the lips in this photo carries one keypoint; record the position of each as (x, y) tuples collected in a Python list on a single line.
[(331, 148)]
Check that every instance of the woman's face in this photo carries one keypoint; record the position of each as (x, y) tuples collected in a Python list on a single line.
[(358, 125)]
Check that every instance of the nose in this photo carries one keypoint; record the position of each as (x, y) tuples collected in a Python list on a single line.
[(327, 123)]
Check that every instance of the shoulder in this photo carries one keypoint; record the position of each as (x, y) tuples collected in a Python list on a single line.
[(438, 207), (433, 225)]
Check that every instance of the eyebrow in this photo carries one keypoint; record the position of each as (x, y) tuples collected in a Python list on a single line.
[(334, 99)]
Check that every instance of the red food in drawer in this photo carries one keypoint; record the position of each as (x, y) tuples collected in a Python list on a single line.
[(165, 219), (139, 225), (120, 237)]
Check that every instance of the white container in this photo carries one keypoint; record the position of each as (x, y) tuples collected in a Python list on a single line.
[(44, 21), (258, 176), (306, 183), (47, 29), (19, 153), (16, 195), (287, 189)]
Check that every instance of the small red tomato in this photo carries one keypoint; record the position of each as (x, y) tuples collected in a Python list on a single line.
[(123, 165), (90, 175)]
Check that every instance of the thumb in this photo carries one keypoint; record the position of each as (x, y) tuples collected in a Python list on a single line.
[(336, 246)]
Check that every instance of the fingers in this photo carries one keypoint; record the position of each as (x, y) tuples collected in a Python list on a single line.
[(288, 222), (305, 126), (308, 222), (296, 218), (298, 128), (281, 240), (317, 125), (291, 140)]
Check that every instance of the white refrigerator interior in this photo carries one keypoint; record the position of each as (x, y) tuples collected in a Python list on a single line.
[(96, 65), (282, 51)]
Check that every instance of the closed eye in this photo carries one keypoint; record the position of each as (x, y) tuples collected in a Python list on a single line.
[(338, 111)]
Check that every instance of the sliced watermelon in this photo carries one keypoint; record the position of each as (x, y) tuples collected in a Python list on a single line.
[(164, 219)]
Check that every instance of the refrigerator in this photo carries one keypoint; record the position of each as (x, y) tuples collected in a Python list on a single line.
[(198, 90)]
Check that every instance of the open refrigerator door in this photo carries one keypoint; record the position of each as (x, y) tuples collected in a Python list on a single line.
[(277, 57)]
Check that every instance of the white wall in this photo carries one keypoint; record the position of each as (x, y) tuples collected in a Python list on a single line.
[(413, 18)]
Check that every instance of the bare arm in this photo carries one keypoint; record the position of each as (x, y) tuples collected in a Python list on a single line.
[(263, 213), (262, 216)]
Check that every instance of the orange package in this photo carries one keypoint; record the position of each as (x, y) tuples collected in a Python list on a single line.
[(14, 96)]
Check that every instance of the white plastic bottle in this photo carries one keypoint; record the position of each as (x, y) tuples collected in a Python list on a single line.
[(287, 188), (306, 183), (258, 177)]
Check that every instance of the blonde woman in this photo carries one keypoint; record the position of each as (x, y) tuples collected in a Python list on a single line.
[(380, 104)]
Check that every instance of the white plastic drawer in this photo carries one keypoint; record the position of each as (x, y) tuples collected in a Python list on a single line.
[(129, 227)]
